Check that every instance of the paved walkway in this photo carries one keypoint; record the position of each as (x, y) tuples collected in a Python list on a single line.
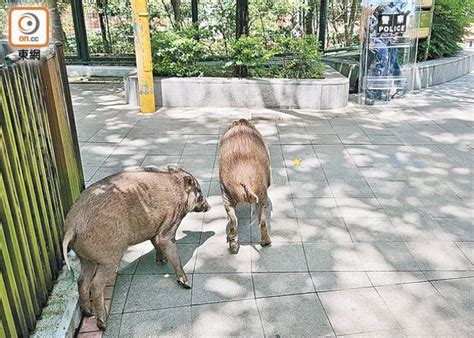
[(371, 224)]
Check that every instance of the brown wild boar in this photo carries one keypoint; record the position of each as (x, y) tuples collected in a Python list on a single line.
[(244, 173), (122, 210)]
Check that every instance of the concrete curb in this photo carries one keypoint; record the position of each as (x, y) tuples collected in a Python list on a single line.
[(426, 74), (99, 71), (435, 72), (328, 93), (61, 316)]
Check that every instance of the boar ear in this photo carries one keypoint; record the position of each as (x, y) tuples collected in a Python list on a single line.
[(188, 183), (173, 169)]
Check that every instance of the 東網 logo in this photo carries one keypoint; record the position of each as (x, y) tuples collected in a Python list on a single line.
[(28, 27)]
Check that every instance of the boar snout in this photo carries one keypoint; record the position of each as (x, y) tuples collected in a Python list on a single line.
[(203, 207)]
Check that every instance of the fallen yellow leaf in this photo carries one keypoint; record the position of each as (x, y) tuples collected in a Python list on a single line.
[(297, 162)]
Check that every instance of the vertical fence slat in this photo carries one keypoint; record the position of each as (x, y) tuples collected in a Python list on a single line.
[(40, 178), (61, 61), (55, 116), (7, 325), (15, 141), (36, 193), (11, 316), (36, 124), (43, 196), (11, 216), (49, 159)]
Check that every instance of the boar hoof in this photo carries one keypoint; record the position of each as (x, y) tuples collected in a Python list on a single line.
[(101, 324), (161, 261), (183, 282), (234, 247), (87, 312)]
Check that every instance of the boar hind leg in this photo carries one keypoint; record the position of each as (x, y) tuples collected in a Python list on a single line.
[(159, 258), (104, 273), (262, 220), (232, 228), (168, 249), (84, 285)]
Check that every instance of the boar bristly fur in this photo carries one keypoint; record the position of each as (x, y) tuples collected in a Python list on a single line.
[(245, 174), (122, 210)]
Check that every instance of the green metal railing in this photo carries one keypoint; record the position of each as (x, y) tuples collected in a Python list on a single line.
[(40, 178)]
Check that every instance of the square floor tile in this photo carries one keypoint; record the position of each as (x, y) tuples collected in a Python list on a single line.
[(279, 257), (459, 293), (149, 266), (438, 256), (360, 207), (210, 288), (122, 285), (153, 292), (303, 316), (281, 283), (357, 310), (379, 278), (316, 207), (323, 229), (369, 229), (310, 189), (228, 319), (386, 256), (282, 230), (216, 258), (331, 256), (170, 322), (327, 281), (415, 304)]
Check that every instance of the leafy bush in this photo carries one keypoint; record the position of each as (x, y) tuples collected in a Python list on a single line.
[(180, 54), (249, 53), (175, 55), (301, 58), (451, 21)]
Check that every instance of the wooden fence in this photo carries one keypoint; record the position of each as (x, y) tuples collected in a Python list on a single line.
[(40, 178)]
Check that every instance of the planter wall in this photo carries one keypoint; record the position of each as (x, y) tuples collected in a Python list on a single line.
[(435, 72), (426, 74), (329, 93)]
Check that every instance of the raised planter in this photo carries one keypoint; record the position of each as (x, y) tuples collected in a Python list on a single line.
[(328, 93), (435, 72), (426, 74)]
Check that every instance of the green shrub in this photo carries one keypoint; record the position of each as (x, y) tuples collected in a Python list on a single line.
[(301, 58), (175, 55), (250, 53), (181, 54), (451, 21)]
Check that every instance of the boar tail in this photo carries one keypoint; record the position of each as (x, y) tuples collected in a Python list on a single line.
[(68, 236), (250, 195)]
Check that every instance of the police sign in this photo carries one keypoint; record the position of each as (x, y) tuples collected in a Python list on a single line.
[(392, 23)]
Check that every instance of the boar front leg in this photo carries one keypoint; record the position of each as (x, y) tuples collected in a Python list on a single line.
[(262, 220), (232, 228), (167, 247)]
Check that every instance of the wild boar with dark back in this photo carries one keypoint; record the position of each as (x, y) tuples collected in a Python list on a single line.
[(245, 174), (122, 210)]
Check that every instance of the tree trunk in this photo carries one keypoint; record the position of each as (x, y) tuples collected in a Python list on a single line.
[(309, 17), (176, 4), (194, 11), (242, 28), (58, 34), (354, 10), (242, 18), (103, 28), (322, 24)]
